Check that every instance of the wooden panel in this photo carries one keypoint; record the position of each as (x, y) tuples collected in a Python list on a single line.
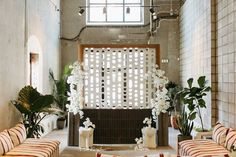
[(119, 126), (73, 125), (163, 137)]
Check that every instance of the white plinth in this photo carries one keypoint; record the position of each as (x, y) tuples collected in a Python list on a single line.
[(149, 137), (85, 137), (202, 135)]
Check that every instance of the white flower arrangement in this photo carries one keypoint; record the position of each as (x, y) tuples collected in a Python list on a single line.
[(139, 142), (87, 123), (159, 103), (76, 82), (147, 121)]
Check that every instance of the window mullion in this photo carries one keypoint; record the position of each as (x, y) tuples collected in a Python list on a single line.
[(106, 10), (124, 11), (95, 15)]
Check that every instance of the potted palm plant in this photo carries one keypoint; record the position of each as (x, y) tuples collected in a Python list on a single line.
[(174, 100), (34, 107), (60, 89)]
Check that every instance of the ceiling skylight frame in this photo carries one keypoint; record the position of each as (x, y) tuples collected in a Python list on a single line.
[(106, 21)]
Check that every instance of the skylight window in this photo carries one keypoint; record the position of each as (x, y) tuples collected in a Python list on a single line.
[(114, 12)]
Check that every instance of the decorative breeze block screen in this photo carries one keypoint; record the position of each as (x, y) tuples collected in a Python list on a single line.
[(115, 77)]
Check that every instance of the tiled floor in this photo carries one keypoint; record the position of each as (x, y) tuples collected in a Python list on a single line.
[(66, 151)]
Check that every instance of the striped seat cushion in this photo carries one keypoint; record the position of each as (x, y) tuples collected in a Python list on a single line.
[(219, 134), (5, 142), (17, 134), (36, 148), (202, 148), (230, 139)]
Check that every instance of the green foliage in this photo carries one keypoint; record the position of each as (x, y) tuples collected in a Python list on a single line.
[(60, 88), (34, 107), (173, 94), (193, 97), (199, 129), (185, 124)]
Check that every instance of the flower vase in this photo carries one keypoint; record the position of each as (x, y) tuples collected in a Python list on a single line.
[(162, 129), (73, 126)]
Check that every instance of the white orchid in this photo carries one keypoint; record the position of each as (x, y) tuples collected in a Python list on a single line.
[(139, 142), (160, 102), (147, 121), (76, 81), (87, 123)]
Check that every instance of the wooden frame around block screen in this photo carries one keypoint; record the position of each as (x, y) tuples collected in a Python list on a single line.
[(81, 48)]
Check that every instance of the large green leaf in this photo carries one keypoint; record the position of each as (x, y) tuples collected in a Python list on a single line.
[(192, 116), (191, 107), (42, 102), (28, 95), (21, 107), (190, 82), (202, 103), (207, 89), (201, 81), (56, 111), (194, 91)]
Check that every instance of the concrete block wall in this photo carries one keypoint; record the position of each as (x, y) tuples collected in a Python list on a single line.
[(26, 26), (225, 61), (197, 49)]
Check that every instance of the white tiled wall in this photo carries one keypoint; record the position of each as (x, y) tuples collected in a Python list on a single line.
[(197, 48), (225, 60)]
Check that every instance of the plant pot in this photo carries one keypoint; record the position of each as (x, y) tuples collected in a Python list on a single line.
[(61, 123), (173, 121), (183, 137)]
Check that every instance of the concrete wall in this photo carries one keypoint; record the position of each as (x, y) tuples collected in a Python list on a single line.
[(166, 35), (43, 24), (12, 56), (197, 49), (225, 59), (28, 26)]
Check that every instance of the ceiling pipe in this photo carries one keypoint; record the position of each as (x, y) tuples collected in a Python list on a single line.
[(160, 17), (153, 24), (151, 18)]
